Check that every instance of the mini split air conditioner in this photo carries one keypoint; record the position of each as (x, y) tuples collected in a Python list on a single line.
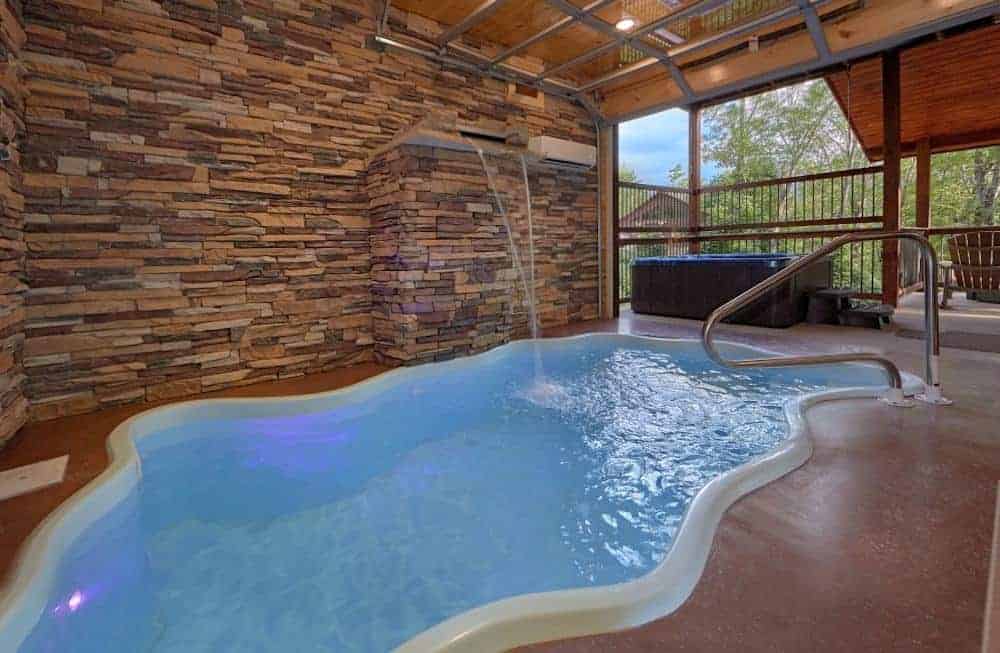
[(555, 151)]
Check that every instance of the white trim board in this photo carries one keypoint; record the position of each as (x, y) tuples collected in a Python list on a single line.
[(28, 478)]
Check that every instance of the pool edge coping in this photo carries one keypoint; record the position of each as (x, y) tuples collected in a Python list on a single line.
[(497, 626)]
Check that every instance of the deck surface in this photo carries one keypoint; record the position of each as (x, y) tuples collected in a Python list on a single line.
[(881, 542)]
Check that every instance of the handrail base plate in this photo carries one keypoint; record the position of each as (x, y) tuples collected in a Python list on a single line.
[(932, 396), (894, 397)]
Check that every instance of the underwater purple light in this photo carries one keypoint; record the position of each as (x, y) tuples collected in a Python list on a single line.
[(71, 604)]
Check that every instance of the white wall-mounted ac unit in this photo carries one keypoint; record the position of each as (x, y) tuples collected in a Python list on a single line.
[(555, 151)]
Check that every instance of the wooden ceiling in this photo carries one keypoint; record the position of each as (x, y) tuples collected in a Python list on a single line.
[(700, 52), (949, 94)]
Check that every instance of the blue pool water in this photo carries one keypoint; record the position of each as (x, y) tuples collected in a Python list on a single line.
[(372, 515)]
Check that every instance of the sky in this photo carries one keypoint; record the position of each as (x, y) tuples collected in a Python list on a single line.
[(654, 144)]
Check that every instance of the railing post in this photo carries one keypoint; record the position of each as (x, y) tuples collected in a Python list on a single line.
[(891, 151), (694, 177), (607, 181), (615, 227), (924, 184)]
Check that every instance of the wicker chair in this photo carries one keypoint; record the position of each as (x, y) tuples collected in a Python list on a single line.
[(975, 265)]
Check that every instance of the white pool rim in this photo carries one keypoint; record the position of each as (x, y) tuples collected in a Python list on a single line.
[(496, 626)]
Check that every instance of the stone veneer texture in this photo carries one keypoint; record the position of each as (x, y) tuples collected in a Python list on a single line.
[(13, 405), (444, 282), (196, 199)]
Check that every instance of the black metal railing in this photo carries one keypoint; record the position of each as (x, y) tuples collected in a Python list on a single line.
[(830, 199), (793, 215)]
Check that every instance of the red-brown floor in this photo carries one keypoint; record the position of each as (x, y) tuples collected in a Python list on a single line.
[(881, 542)]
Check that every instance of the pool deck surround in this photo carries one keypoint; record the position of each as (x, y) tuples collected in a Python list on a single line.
[(881, 541)]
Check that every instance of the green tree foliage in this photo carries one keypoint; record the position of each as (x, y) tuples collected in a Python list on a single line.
[(965, 187), (796, 130), (677, 176), (627, 174), (790, 131), (801, 130)]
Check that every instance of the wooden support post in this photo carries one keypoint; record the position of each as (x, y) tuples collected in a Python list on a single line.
[(924, 184), (606, 248), (891, 114), (616, 248), (694, 175)]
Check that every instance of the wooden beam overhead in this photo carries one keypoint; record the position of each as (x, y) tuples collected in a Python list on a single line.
[(954, 142), (869, 30), (608, 29), (481, 13), (805, 37), (550, 30), (466, 62), (622, 39), (949, 91), (591, 107), (815, 29), (687, 50), (679, 79)]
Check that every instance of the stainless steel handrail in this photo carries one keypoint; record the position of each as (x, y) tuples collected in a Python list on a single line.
[(932, 382)]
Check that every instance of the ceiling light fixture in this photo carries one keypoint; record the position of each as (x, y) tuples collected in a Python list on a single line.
[(625, 24)]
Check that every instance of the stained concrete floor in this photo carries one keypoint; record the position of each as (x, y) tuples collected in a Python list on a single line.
[(964, 323), (881, 542)]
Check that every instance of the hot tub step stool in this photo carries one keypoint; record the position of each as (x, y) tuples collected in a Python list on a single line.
[(872, 316), (826, 305)]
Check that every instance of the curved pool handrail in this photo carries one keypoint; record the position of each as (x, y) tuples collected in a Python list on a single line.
[(932, 350)]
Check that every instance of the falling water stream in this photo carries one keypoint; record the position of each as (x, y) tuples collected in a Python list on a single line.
[(539, 387)]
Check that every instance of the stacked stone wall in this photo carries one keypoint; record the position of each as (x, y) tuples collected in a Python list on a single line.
[(197, 198)]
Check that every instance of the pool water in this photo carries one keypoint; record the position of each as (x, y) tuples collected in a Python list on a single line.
[(373, 514)]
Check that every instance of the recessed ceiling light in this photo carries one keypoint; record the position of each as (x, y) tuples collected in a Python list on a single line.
[(625, 24)]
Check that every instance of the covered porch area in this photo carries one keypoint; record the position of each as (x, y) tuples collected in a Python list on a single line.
[(251, 200), (904, 107)]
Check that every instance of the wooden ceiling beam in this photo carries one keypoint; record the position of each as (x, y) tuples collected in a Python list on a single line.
[(867, 31), (621, 39), (815, 29), (591, 107), (692, 47), (478, 15), (608, 29), (944, 144), (554, 71), (467, 62), (549, 31), (949, 92)]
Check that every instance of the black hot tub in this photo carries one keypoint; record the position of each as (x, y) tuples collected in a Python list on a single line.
[(694, 286)]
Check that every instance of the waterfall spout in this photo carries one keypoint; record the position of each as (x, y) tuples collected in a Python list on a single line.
[(528, 287)]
